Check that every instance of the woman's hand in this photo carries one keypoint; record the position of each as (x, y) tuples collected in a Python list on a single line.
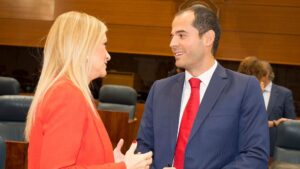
[(118, 155)]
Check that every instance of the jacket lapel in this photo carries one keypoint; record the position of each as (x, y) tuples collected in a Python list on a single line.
[(174, 108), (272, 101), (213, 92), (104, 137)]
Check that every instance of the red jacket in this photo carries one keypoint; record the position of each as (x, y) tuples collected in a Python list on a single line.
[(66, 134)]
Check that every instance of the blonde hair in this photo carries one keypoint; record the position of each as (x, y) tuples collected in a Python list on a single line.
[(72, 39)]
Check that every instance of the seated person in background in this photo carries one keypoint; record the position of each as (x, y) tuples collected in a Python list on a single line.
[(63, 127), (278, 99)]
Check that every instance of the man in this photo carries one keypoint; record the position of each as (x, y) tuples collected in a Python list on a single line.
[(207, 117), (279, 103), (278, 100)]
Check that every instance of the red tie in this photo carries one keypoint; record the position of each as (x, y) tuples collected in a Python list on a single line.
[(187, 122)]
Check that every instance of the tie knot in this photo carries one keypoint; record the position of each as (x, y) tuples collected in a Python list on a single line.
[(195, 83)]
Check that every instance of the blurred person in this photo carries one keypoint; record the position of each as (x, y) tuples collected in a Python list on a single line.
[(63, 127), (278, 99), (279, 103), (251, 65), (207, 117)]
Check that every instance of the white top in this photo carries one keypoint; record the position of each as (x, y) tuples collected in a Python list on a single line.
[(267, 94), (205, 79)]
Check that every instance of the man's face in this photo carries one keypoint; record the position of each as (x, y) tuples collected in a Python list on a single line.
[(186, 44)]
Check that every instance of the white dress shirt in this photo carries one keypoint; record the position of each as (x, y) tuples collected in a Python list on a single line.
[(267, 94), (205, 79)]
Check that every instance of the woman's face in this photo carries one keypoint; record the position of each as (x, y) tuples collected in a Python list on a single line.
[(99, 60)]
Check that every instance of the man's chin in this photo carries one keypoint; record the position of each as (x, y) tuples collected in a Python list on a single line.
[(179, 65)]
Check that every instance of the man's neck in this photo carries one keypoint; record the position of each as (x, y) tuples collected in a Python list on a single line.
[(267, 82), (203, 67)]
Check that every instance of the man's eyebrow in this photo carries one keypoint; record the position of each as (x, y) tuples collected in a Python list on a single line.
[(179, 31)]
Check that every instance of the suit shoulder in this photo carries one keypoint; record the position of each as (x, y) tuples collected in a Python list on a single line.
[(282, 88), (165, 82), (239, 76)]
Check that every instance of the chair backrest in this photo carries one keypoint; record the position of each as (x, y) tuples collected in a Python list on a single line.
[(118, 98), (287, 148), (13, 112), (9, 86)]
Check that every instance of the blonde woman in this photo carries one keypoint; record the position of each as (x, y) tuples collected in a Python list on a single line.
[(63, 127)]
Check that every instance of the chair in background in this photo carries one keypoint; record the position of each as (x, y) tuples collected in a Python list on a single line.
[(9, 86), (287, 148), (117, 98), (13, 112)]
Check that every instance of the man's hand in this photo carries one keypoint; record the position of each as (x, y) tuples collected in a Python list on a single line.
[(281, 120)]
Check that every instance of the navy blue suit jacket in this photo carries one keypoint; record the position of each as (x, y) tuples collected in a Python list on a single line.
[(281, 104), (230, 130)]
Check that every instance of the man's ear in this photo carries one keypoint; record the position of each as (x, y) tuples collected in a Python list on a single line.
[(208, 38)]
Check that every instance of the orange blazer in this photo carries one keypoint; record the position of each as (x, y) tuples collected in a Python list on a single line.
[(67, 135)]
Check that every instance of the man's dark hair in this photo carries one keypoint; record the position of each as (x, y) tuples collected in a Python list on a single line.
[(205, 20)]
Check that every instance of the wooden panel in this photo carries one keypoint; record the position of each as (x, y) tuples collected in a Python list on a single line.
[(138, 39), (27, 9), (276, 48), (127, 12), (118, 126), (139, 113), (292, 3), (16, 155), (17, 32), (119, 78), (265, 19)]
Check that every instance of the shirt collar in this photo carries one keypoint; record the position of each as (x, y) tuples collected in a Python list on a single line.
[(204, 77)]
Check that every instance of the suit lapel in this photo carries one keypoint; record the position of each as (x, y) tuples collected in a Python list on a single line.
[(174, 108), (213, 92), (272, 101)]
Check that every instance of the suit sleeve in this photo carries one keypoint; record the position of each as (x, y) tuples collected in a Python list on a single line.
[(145, 136), (63, 130), (253, 131), (289, 109)]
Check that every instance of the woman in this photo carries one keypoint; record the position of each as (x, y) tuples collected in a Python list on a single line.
[(63, 127)]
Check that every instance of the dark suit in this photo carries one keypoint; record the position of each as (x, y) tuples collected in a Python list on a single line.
[(230, 130), (280, 105)]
